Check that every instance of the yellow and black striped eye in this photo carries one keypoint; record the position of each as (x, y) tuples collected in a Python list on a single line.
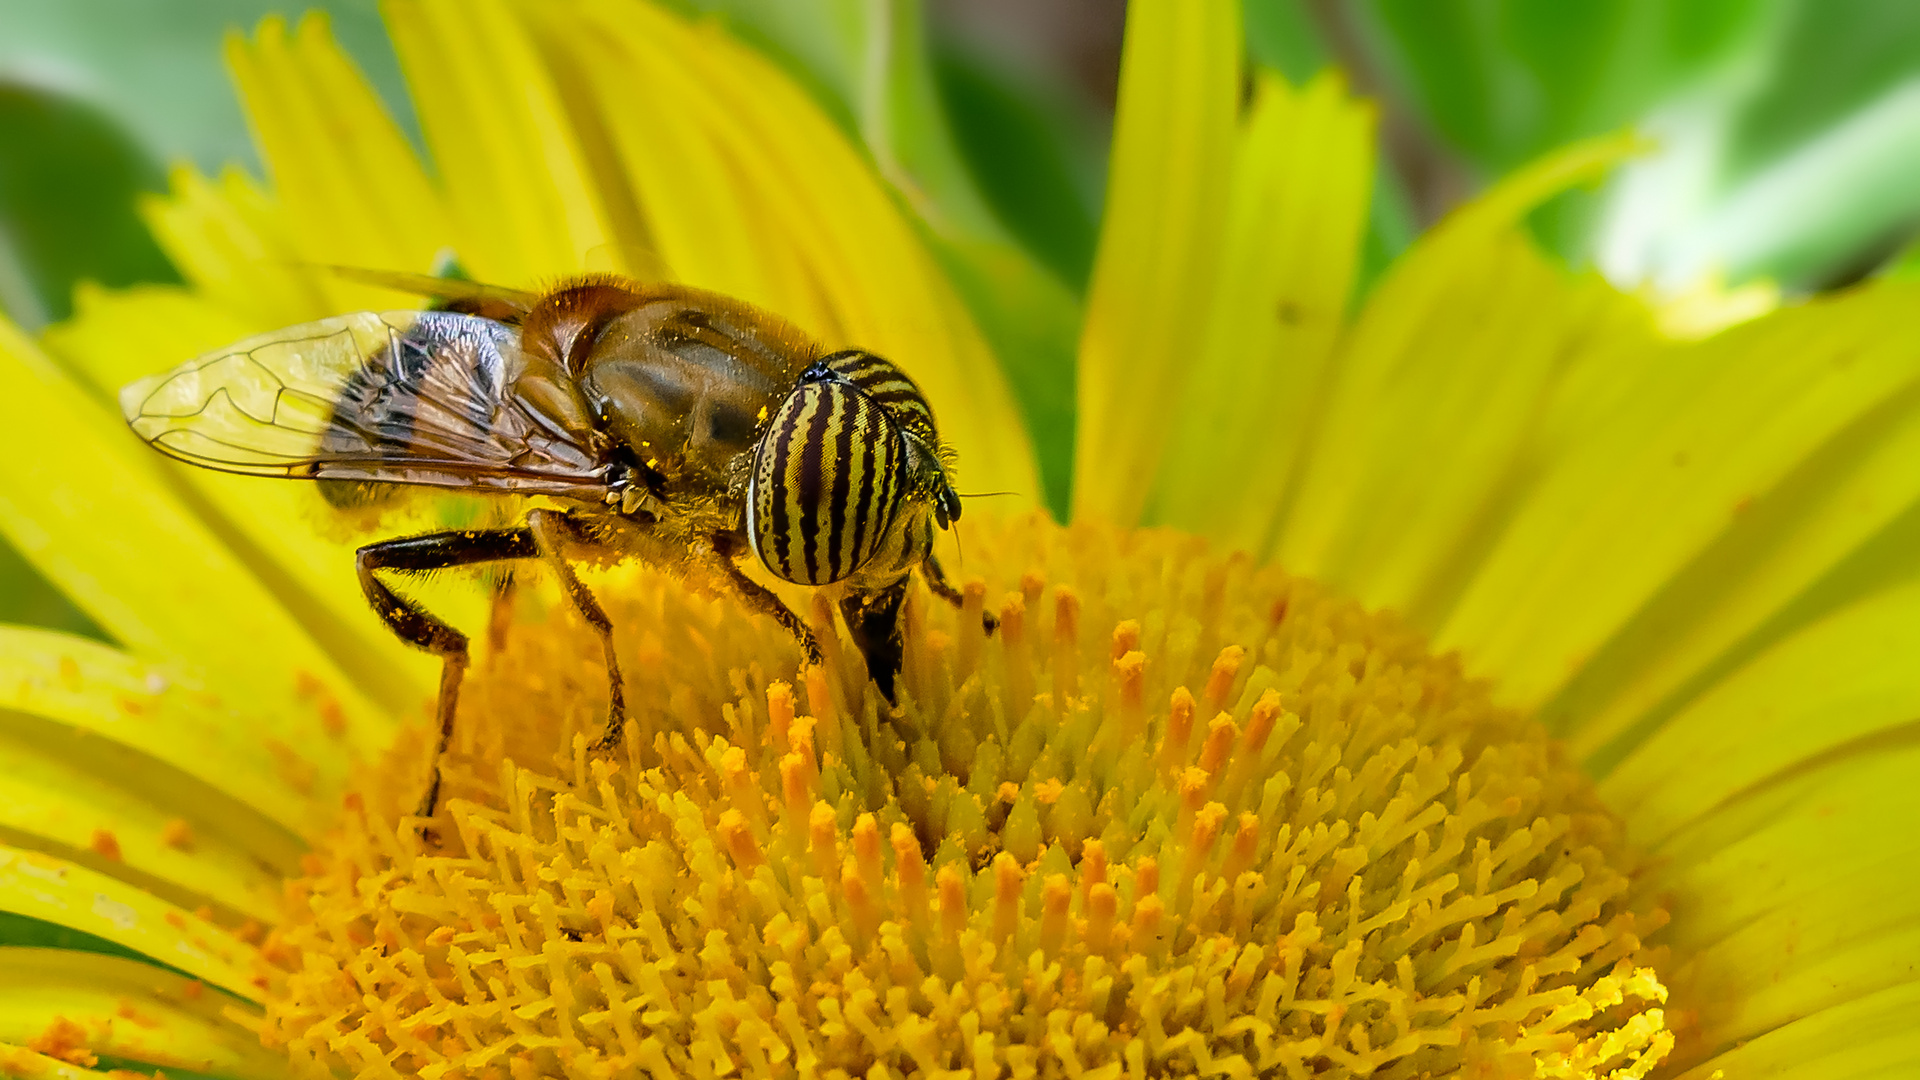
[(828, 480)]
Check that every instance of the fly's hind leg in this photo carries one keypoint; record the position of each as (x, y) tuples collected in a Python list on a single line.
[(551, 530), (938, 584), (417, 626)]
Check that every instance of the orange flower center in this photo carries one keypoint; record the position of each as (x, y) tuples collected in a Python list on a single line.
[(1180, 815)]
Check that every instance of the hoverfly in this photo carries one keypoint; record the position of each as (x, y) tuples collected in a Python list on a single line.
[(658, 421)]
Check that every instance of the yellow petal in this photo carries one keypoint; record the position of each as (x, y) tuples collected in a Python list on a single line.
[(352, 190), (128, 1010), (56, 891), (110, 701), (1295, 216), (1869, 1037), (1778, 562), (1158, 258), (751, 190), (1662, 460), (1779, 810), (97, 803), (1433, 407), (516, 181), (1842, 680), (297, 544), (1798, 897), (21, 1063), (230, 241), (95, 515)]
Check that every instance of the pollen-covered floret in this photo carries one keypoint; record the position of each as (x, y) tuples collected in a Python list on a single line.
[(1179, 816)]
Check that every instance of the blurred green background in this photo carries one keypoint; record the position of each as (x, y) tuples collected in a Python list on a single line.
[(1788, 133)]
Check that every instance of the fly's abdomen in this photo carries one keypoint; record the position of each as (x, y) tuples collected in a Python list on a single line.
[(827, 484)]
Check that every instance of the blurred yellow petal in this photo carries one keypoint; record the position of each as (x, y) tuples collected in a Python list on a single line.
[(750, 189), (293, 543), (171, 589), (127, 1010), (84, 802), (1433, 411), (1666, 463), (351, 188), (119, 335), (1295, 218), (21, 1063), (516, 182), (1785, 556), (1780, 808), (230, 242), (1842, 681), (1874, 1036), (1169, 180), (245, 795), (1709, 306), (1798, 897), (56, 891)]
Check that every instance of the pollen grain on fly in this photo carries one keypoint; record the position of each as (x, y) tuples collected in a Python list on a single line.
[(1184, 816)]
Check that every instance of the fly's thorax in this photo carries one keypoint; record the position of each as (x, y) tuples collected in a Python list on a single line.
[(686, 390), (847, 476)]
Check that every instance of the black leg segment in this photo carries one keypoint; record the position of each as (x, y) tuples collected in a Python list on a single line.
[(417, 626), (552, 530), (938, 584), (873, 620)]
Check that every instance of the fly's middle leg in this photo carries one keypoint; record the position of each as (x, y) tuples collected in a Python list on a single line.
[(420, 627), (552, 530)]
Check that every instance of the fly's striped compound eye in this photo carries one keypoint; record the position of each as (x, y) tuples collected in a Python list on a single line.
[(827, 483)]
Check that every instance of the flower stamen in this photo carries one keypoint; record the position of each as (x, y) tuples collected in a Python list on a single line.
[(1354, 863)]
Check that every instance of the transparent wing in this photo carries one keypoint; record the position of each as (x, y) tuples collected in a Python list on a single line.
[(403, 397)]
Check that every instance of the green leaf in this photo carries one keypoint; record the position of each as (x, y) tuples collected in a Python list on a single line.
[(156, 68), (1281, 35), (1039, 166), (67, 205), (1504, 80), (1834, 58)]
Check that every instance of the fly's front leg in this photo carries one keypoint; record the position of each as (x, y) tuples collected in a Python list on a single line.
[(551, 531), (759, 598), (417, 626), (938, 584), (873, 620)]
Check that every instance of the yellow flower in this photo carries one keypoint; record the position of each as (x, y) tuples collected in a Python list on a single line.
[(1544, 706)]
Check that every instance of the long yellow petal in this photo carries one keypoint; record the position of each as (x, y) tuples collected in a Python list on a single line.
[(129, 1011), (1874, 1036), (750, 189), (20, 1063), (1830, 526), (169, 588), (1779, 811), (515, 176), (1434, 408), (351, 188), (230, 241), (56, 891), (297, 544), (1168, 185), (88, 800), (1294, 222), (247, 791), (1662, 463), (1845, 679), (1799, 897)]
